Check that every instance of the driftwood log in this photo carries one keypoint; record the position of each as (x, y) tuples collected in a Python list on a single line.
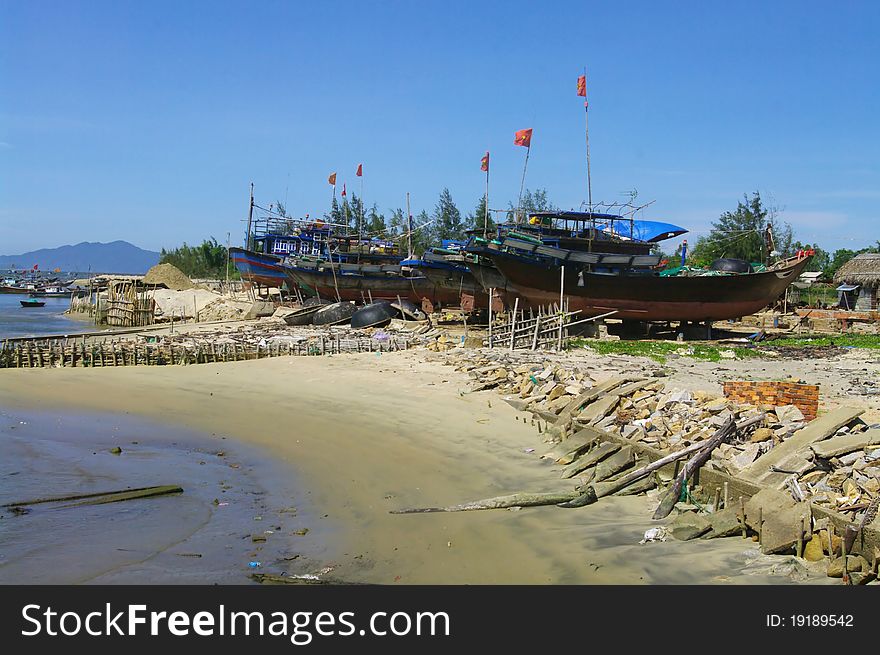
[(499, 502), (102, 497), (591, 493), (724, 433)]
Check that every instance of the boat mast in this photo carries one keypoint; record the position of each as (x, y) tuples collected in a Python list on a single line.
[(247, 239), (409, 252), (587, 131)]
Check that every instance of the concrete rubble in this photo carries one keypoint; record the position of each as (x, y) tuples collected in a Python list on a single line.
[(832, 462)]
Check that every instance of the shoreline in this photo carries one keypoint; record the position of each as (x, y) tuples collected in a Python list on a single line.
[(200, 536), (365, 434)]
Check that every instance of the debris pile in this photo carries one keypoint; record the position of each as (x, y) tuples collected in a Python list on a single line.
[(833, 462), (181, 305)]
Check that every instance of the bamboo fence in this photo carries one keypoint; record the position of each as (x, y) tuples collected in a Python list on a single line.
[(62, 353)]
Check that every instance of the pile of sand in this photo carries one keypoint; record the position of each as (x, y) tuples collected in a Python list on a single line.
[(182, 304), (225, 309), (168, 275)]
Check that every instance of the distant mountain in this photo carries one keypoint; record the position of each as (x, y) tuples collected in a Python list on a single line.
[(114, 257)]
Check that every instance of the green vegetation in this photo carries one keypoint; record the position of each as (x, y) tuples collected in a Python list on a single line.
[(209, 260), (840, 340), (740, 234), (660, 350)]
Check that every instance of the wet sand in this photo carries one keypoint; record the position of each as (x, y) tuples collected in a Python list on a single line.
[(364, 434), (204, 535)]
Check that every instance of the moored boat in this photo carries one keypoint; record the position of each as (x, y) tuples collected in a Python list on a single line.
[(32, 303)]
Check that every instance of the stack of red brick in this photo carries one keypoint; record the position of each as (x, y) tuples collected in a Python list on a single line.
[(803, 396)]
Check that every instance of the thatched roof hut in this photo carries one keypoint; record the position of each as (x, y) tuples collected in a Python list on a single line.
[(862, 269), (859, 280)]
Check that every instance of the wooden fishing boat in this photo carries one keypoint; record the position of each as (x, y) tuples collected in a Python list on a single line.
[(50, 292), (446, 269), (612, 234), (32, 303), (11, 288), (597, 283), (364, 282), (259, 268)]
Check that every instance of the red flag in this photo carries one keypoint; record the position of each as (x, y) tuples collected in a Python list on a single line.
[(360, 170), (484, 163), (332, 179), (582, 86), (36, 266), (523, 138), (343, 189)]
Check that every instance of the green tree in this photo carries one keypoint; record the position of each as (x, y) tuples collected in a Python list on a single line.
[(422, 230), (477, 219), (841, 256), (355, 209), (208, 260), (740, 234), (532, 201), (335, 214), (375, 222), (424, 233), (448, 223)]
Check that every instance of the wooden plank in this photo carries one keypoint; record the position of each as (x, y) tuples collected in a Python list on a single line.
[(800, 440)]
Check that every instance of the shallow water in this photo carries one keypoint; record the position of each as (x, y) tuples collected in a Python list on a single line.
[(18, 321), (204, 535)]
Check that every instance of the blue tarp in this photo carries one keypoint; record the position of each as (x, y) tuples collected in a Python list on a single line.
[(651, 231)]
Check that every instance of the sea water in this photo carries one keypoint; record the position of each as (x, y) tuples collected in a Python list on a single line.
[(18, 321)]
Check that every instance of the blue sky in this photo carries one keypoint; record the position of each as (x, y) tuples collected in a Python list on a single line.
[(146, 121)]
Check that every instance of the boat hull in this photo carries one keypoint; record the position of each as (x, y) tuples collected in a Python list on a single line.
[(648, 297), (360, 288), (457, 281), (9, 289), (259, 268)]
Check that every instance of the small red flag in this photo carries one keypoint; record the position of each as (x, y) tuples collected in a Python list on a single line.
[(36, 266), (484, 163), (343, 189), (523, 138), (582, 86), (332, 179), (360, 170)]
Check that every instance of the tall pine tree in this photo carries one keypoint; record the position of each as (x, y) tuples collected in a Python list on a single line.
[(740, 234), (477, 219), (448, 223)]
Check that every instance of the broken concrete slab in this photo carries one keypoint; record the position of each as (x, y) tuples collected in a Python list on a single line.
[(599, 409), (724, 523), (846, 444), (782, 519), (590, 395), (794, 464), (617, 462), (591, 458), (688, 525), (788, 414), (814, 431), (570, 449)]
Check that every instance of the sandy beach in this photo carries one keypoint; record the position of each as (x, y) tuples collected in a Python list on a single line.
[(359, 435)]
